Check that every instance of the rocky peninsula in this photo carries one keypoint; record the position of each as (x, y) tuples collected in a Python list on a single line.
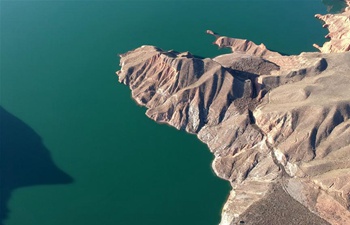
[(278, 126)]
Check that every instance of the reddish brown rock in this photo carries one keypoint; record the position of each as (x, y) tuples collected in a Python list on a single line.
[(277, 125), (339, 31)]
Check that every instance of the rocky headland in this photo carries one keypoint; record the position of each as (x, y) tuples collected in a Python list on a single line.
[(278, 126)]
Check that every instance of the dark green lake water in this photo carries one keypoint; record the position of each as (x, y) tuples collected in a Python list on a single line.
[(80, 151)]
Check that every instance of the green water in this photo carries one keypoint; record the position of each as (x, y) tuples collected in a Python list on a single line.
[(100, 159)]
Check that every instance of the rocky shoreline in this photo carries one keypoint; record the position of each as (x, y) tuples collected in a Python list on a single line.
[(278, 126)]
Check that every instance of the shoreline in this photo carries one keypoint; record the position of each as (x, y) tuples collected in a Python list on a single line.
[(226, 119)]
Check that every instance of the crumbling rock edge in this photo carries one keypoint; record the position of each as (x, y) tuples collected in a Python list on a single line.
[(272, 122)]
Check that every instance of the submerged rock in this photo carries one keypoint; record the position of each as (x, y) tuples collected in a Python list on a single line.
[(275, 124)]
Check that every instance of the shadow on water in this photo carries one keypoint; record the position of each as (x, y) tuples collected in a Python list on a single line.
[(24, 160)]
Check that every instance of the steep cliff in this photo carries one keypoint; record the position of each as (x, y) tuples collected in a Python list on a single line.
[(277, 125)]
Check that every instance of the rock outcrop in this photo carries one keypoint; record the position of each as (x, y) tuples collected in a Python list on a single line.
[(339, 31), (277, 125)]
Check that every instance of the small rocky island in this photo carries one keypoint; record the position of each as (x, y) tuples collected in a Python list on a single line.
[(278, 126)]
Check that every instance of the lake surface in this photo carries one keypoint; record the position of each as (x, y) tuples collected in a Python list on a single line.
[(78, 149)]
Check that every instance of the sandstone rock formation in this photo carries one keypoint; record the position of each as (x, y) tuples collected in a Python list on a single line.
[(339, 31), (278, 126)]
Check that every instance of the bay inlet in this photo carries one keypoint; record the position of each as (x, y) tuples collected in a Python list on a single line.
[(58, 63)]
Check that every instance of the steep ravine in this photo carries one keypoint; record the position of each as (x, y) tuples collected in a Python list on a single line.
[(278, 126)]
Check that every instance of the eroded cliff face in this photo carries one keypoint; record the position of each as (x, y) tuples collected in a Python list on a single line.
[(277, 125), (339, 31)]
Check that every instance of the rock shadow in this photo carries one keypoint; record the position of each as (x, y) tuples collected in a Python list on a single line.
[(24, 160)]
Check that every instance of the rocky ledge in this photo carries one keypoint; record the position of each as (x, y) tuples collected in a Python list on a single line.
[(277, 125), (339, 31)]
